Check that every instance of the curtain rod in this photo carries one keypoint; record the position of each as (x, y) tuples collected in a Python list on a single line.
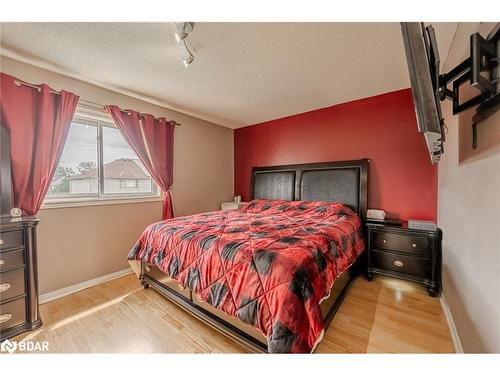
[(19, 84), (103, 107)]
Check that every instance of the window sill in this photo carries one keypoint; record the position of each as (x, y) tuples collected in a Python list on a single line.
[(88, 202)]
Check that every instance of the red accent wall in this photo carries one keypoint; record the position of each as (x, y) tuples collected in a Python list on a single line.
[(383, 128)]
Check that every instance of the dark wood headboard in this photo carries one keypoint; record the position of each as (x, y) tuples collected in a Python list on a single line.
[(336, 181)]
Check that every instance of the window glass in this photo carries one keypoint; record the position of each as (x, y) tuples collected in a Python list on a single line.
[(123, 171), (76, 173)]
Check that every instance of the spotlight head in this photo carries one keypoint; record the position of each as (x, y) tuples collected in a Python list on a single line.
[(179, 37), (188, 60)]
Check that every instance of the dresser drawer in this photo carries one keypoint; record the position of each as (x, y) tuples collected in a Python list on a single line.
[(11, 239), (12, 313), (399, 263), (11, 284), (415, 245), (11, 259)]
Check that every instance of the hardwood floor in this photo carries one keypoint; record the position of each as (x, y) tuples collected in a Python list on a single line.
[(382, 316)]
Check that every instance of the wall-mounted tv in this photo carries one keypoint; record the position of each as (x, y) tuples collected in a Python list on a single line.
[(423, 66), (480, 71)]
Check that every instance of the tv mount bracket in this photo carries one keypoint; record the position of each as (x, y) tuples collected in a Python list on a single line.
[(481, 70)]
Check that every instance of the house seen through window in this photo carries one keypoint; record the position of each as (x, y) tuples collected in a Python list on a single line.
[(98, 163)]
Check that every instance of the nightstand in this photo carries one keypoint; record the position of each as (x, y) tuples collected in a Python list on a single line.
[(405, 253), (226, 206)]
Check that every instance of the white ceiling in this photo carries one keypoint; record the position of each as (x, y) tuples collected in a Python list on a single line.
[(243, 73)]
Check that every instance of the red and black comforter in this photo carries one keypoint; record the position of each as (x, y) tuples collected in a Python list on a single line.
[(270, 263)]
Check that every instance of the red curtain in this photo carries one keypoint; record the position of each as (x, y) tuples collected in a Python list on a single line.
[(38, 122), (153, 141)]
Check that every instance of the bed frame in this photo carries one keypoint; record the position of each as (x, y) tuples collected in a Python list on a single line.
[(340, 181)]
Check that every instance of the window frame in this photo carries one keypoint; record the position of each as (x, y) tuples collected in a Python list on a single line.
[(96, 117)]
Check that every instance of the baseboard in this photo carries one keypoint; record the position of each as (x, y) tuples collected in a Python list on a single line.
[(46, 297), (451, 325)]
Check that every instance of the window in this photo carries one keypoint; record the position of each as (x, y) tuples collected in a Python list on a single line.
[(98, 164)]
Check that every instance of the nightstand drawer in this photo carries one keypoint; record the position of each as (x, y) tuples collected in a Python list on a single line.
[(12, 313), (11, 284), (11, 259), (11, 239), (399, 263), (415, 245)]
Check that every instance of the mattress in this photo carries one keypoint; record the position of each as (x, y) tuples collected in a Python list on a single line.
[(269, 264)]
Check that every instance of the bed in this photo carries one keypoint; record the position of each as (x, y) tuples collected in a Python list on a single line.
[(272, 274)]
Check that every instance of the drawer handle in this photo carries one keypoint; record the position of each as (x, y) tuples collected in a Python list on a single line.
[(384, 241), (1, 241), (413, 245), (398, 263), (4, 287), (5, 318), (2, 262)]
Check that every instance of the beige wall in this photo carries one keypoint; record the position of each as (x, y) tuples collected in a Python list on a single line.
[(83, 243), (79, 244), (469, 214)]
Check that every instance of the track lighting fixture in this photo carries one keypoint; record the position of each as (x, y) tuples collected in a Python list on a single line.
[(180, 36)]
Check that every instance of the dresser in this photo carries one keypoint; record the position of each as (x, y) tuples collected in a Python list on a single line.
[(410, 254), (18, 277)]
